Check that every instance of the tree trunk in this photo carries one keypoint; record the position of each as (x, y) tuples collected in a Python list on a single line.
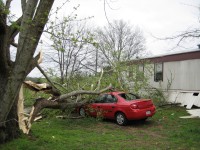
[(35, 16), (10, 128)]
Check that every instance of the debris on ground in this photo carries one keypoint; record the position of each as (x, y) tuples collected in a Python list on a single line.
[(194, 113)]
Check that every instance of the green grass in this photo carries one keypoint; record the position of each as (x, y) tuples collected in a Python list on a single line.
[(164, 131)]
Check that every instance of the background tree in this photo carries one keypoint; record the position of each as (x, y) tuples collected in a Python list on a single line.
[(119, 42), (70, 40), (30, 27), (189, 36)]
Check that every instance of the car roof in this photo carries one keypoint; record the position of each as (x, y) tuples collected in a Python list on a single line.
[(115, 92)]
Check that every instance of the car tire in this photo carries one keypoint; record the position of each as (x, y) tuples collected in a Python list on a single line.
[(121, 119), (82, 112)]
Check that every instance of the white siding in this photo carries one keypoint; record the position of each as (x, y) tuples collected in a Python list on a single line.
[(185, 75)]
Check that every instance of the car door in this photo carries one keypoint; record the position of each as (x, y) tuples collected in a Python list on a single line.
[(109, 106), (96, 107)]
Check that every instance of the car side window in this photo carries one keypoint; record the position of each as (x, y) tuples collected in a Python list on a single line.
[(101, 99), (110, 99), (106, 98)]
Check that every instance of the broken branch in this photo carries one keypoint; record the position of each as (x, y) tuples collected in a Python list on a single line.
[(81, 92), (62, 102)]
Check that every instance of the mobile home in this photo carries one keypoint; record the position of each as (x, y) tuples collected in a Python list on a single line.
[(178, 74)]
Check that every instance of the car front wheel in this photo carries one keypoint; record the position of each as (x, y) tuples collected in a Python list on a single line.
[(82, 112), (121, 119)]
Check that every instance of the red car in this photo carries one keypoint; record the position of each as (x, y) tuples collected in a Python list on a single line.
[(120, 106)]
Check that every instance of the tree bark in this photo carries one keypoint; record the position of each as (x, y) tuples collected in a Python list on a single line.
[(10, 129)]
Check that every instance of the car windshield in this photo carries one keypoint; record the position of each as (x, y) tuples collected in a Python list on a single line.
[(129, 96)]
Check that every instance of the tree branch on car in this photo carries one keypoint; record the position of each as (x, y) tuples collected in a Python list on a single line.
[(61, 102)]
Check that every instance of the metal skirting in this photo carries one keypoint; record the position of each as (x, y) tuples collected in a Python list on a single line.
[(185, 98)]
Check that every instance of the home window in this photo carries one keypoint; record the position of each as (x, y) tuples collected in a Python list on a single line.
[(140, 72), (158, 72), (141, 68)]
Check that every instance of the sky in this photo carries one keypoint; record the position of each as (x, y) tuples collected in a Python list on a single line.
[(156, 18)]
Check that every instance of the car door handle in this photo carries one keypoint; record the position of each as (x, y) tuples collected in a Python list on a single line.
[(98, 107), (113, 106)]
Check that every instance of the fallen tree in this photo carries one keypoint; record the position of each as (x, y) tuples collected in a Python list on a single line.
[(57, 101)]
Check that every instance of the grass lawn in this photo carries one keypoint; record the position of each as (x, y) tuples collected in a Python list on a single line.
[(164, 131)]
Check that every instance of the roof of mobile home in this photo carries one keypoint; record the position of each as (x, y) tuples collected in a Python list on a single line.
[(175, 56)]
